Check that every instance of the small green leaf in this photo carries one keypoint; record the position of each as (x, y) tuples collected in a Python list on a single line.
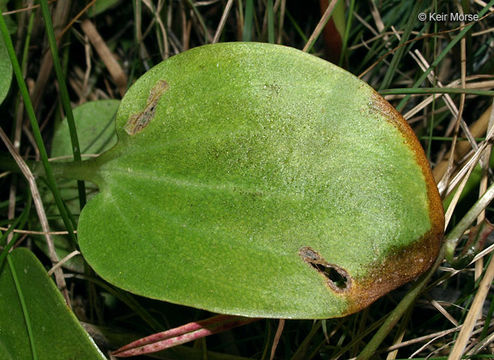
[(56, 332), (95, 122), (101, 6), (258, 180), (5, 71)]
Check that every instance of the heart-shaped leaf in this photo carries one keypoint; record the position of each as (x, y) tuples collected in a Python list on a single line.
[(258, 180), (56, 333)]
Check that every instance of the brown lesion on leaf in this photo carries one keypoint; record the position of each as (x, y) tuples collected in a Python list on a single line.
[(336, 277), (138, 122), (400, 266)]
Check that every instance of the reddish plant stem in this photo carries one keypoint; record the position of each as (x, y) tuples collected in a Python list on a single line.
[(182, 334)]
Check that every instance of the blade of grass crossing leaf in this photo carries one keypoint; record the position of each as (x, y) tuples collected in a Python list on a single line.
[(25, 52), (388, 77), (296, 26), (4, 236), (270, 21), (35, 129), (248, 20), (24, 309), (443, 53), (64, 95), (347, 32)]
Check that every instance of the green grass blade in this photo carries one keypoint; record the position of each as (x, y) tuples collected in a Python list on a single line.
[(395, 315), (25, 52), (432, 119), (64, 95), (388, 77), (207, 37), (35, 128), (296, 26), (128, 299), (443, 53), (348, 26), (248, 20), (454, 235), (270, 22), (24, 309)]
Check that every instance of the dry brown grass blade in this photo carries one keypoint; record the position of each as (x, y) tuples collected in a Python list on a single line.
[(63, 261), (32, 232), (277, 336), (473, 314), (479, 265), (320, 26), (477, 129), (398, 339), (281, 21), (59, 18), (443, 183), (483, 4), (221, 25), (38, 203), (424, 65), (108, 58), (27, 8), (74, 19), (156, 10)]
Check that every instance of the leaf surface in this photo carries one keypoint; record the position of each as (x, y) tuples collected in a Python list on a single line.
[(57, 333), (5, 71), (95, 123), (258, 180)]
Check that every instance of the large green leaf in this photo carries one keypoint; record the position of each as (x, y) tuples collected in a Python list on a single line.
[(258, 180), (56, 332)]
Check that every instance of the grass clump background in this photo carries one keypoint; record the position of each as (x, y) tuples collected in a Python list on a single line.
[(438, 74)]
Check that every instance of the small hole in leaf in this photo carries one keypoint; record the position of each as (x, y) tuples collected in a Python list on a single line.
[(338, 278), (333, 275)]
